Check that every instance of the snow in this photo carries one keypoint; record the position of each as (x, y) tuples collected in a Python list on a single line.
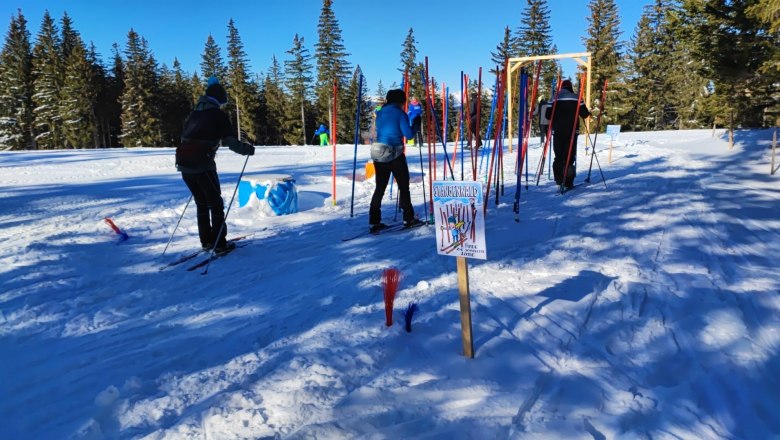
[(646, 309)]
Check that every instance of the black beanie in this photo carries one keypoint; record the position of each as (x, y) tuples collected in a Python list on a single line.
[(395, 96), (217, 92), (567, 85)]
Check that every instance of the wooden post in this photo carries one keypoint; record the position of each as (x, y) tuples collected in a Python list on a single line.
[(465, 307), (714, 124), (774, 148), (731, 139), (731, 130), (609, 158), (238, 123)]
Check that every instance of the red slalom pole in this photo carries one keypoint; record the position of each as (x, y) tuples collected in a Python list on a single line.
[(122, 234), (548, 137)]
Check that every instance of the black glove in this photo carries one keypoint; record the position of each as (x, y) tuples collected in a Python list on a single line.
[(250, 150)]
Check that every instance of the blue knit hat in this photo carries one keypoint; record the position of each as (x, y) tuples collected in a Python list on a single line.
[(215, 90)]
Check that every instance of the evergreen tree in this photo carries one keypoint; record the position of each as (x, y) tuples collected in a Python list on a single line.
[(238, 82), (48, 74), (533, 38), (767, 12), (111, 99), (211, 61), (298, 74), (332, 65), (106, 103), (274, 104), (691, 98), (77, 102), (140, 115), (650, 63), (70, 37), (381, 92), (453, 121), (197, 87), (16, 87), (605, 47), (736, 47), (409, 64), (175, 102), (504, 50)]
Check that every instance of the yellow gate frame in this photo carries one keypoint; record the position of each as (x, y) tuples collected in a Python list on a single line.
[(582, 58)]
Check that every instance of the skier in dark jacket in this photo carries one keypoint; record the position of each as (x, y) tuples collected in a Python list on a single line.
[(566, 112), (392, 125), (205, 129)]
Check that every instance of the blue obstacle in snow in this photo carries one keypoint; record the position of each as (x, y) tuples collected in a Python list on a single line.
[(246, 189), (283, 197), (278, 194)]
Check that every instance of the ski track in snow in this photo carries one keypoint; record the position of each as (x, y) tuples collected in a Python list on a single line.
[(647, 309)]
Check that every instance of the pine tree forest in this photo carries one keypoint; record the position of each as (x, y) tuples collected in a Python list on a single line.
[(688, 64)]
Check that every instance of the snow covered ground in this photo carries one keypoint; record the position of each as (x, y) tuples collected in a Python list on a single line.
[(647, 309)]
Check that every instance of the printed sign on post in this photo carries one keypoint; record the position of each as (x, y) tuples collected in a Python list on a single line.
[(460, 223), (613, 131)]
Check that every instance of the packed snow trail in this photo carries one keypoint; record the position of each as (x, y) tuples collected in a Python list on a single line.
[(647, 309)]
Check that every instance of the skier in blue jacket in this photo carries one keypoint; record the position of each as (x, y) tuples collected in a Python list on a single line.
[(392, 126), (323, 133), (415, 118)]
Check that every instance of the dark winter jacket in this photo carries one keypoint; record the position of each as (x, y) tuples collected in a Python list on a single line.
[(206, 128), (565, 113), (322, 130)]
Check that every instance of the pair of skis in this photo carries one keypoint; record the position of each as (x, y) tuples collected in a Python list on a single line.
[(191, 256), (391, 228)]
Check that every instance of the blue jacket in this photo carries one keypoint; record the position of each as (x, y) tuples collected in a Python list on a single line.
[(414, 111), (392, 125), (322, 129)]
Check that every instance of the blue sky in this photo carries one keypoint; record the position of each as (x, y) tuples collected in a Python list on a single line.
[(455, 35)]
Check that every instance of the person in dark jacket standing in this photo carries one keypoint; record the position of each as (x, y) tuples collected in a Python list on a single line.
[(205, 129), (566, 111), (392, 125)]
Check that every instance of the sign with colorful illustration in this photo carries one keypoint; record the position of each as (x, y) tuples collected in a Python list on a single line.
[(458, 215)]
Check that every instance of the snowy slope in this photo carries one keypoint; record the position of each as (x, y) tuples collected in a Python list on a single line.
[(646, 309)]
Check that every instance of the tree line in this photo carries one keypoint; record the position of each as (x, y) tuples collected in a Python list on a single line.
[(689, 64)]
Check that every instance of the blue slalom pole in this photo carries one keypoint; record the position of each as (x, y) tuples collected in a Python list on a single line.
[(357, 134), (460, 126)]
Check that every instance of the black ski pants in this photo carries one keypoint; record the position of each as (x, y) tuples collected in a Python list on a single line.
[(417, 130), (210, 207), (400, 170), (561, 142)]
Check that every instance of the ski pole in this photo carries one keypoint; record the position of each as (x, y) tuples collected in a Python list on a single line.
[(587, 133), (177, 225), (598, 126), (357, 132), (422, 172), (222, 227)]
